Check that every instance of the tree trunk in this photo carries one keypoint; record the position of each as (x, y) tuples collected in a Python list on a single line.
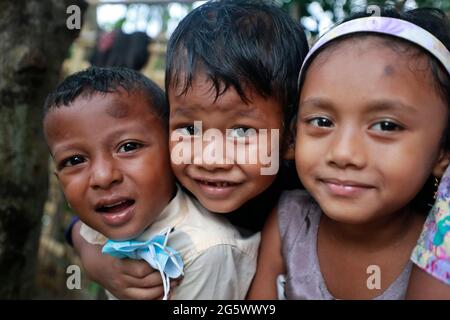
[(34, 40)]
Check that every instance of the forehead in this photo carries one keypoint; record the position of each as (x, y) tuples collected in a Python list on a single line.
[(99, 113), (118, 105), (374, 62), (202, 96), (391, 51)]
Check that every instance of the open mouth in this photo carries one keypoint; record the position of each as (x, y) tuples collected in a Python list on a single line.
[(217, 184), (115, 207)]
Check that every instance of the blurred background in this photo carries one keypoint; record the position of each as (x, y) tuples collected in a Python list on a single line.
[(38, 50)]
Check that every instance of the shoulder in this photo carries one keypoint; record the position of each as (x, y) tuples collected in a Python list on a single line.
[(202, 230), (294, 207), (220, 266), (294, 198)]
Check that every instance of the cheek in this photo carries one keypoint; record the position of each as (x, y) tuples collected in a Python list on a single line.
[(73, 189), (406, 167), (258, 181), (178, 158), (178, 170), (306, 154)]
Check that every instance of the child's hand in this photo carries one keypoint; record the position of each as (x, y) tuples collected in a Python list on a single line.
[(129, 279), (124, 278)]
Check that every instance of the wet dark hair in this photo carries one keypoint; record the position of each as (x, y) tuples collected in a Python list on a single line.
[(107, 80), (239, 43), (244, 44), (436, 22)]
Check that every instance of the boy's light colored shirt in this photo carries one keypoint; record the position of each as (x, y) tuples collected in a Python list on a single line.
[(219, 263)]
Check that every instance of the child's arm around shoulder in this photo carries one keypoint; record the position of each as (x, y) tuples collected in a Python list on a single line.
[(124, 278), (270, 262)]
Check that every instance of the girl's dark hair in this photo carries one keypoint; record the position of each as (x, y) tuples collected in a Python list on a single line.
[(239, 43), (436, 22)]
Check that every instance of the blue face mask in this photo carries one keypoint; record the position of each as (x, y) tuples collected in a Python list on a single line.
[(155, 251)]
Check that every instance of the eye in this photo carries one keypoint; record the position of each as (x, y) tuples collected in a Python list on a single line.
[(71, 162), (241, 132), (129, 146), (320, 122), (386, 125), (189, 130)]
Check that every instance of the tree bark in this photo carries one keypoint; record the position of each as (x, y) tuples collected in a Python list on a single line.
[(34, 40)]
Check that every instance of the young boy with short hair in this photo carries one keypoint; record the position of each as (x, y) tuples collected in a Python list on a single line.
[(107, 133)]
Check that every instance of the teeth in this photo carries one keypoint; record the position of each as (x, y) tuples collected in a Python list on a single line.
[(113, 205), (218, 184)]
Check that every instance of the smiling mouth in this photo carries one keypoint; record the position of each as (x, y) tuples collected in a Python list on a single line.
[(115, 207), (345, 188), (217, 184), (217, 190)]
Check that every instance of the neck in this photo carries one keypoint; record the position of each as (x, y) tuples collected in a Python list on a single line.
[(380, 233)]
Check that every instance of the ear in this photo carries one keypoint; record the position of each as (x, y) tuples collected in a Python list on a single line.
[(441, 164)]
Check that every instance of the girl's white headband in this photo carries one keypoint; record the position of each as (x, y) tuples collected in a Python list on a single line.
[(389, 26)]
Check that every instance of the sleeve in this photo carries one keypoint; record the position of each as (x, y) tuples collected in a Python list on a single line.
[(221, 272), (432, 252), (68, 231), (92, 236)]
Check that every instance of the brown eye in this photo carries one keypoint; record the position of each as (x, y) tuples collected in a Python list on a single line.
[(321, 122), (129, 146), (72, 161), (386, 125)]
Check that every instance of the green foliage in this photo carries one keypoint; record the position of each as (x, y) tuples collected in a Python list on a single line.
[(299, 8)]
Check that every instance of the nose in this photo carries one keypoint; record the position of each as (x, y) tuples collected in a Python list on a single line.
[(347, 149), (105, 173), (211, 153)]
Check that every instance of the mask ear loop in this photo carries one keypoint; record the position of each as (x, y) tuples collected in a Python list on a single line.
[(165, 278), (170, 254)]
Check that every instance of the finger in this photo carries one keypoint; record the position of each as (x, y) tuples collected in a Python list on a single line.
[(144, 294), (151, 280), (174, 283), (135, 268)]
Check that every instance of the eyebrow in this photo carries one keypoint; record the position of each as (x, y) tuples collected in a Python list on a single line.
[(371, 107)]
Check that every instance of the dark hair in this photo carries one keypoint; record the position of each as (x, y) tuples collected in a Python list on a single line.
[(107, 80), (239, 43), (436, 22), (118, 49)]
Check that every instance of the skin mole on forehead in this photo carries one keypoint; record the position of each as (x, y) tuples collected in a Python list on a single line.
[(389, 70), (118, 110)]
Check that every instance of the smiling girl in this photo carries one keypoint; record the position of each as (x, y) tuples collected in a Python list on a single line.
[(371, 138)]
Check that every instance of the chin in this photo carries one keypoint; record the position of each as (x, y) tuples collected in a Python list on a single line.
[(220, 208), (125, 235), (347, 216)]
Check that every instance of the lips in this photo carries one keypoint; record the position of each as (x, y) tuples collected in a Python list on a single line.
[(116, 211), (217, 184), (345, 188), (216, 189)]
